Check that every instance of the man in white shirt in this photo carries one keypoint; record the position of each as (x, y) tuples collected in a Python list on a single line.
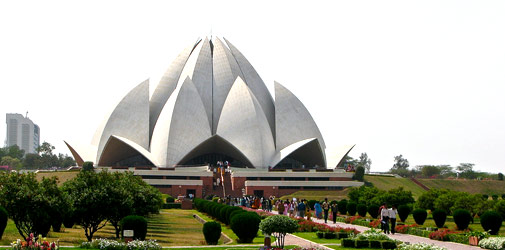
[(392, 217), (385, 219)]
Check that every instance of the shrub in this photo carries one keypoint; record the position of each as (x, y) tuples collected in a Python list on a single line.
[(495, 197), (387, 244), (491, 221), (359, 174), (375, 244), (503, 196), (68, 221), (235, 212), (485, 196), (403, 212), (212, 232), (169, 199), (342, 206), (245, 226), (209, 197), (462, 218), (87, 166), (311, 204), (330, 235), (361, 210), (350, 243), (351, 208), (136, 223), (279, 226), (373, 210), (4, 217), (439, 217), (230, 211), (56, 225), (362, 243), (419, 216), (222, 214), (319, 234)]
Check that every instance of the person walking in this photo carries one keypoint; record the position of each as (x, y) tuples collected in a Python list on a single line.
[(334, 211), (301, 209), (318, 209), (392, 217), (385, 219), (326, 209), (280, 207)]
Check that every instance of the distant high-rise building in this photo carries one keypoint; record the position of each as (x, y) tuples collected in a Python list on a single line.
[(23, 132)]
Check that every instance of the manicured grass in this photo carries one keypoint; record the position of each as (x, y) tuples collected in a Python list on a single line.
[(172, 227), (388, 182), (63, 176), (489, 187), (227, 230), (319, 195)]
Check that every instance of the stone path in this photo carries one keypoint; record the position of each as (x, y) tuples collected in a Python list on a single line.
[(402, 237)]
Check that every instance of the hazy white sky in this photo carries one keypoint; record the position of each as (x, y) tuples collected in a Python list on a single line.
[(425, 79)]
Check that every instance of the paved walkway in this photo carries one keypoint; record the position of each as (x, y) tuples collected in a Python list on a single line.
[(402, 237)]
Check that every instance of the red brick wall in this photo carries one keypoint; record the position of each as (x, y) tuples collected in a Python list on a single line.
[(175, 191), (238, 183)]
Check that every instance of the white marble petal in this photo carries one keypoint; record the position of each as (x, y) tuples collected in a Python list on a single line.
[(245, 126), (130, 119)]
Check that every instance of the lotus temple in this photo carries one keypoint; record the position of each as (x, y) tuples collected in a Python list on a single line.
[(212, 109)]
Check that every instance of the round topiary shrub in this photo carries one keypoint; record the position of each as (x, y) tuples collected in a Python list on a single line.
[(235, 212), (170, 199), (403, 212), (245, 226), (342, 206), (485, 196), (351, 208), (222, 213), (136, 223), (212, 232), (373, 210), (361, 210), (439, 216), (491, 221), (230, 211), (495, 197), (420, 216), (311, 204), (4, 217), (462, 218), (68, 221)]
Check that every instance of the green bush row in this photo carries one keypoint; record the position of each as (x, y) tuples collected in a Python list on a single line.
[(380, 244), (171, 205)]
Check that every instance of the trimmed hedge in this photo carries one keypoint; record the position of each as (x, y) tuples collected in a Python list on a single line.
[(342, 206), (4, 217), (491, 221), (351, 208), (170, 199), (420, 216), (462, 218), (212, 232), (245, 226), (136, 223), (403, 212), (361, 210), (373, 210), (348, 243), (172, 206), (439, 217)]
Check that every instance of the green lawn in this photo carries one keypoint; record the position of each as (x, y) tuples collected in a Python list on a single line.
[(312, 237), (388, 182), (489, 187)]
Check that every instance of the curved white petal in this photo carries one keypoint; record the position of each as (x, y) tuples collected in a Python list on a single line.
[(166, 86), (256, 85), (244, 125), (119, 148), (307, 151), (225, 71), (130, 118), (183, 125), (82, 153), (292, 120)]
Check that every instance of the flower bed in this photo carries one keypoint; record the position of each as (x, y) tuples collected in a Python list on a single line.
[(495, 243), (370, 239), (106, 244), (442, 235), (33, 243), (420, 246)]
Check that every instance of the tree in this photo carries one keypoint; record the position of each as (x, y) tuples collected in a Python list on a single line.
[(31, 161), (15, 152), (359, 174), (89, 196), (26, 202), (364, 162), (278, 226), (500, 176), (465, 170), (400, 167), (13, 163), (45, 149), (429, 170), (427, 199)]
